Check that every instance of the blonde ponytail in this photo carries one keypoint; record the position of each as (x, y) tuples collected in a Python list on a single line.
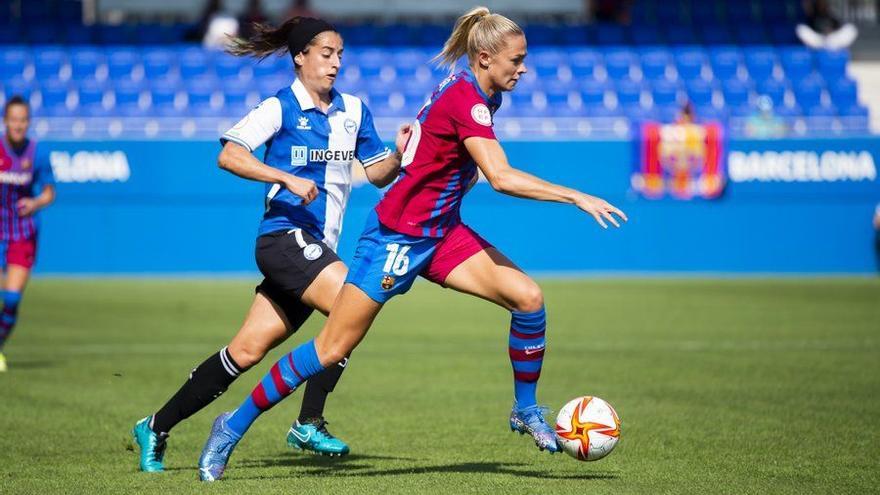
[(474, 32)]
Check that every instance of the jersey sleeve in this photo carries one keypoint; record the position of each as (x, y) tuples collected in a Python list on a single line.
[(369, 148), (43, 175), (470, 116), (257, 127)]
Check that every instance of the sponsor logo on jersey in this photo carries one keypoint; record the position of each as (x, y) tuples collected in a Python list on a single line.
[(350, 126), (801, 166), (16, 178), (387, 282), (303, 124), (90, 166), (331, 155), (481, 114), (299, 156)]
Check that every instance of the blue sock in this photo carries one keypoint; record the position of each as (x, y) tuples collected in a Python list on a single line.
[(526, 350), (287, 374), (9, 315)]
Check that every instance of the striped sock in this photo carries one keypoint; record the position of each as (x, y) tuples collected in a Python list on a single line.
[(285, 375), (9, 315), (526, 350)]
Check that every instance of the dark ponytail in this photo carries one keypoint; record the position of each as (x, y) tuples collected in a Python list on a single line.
[(294, 36)]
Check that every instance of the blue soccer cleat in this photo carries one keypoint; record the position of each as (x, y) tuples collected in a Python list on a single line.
[(313, 435), (531, 420), (152, 446), (217, 449)]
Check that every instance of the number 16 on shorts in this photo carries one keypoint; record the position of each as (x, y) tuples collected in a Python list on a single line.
[(397, 262)]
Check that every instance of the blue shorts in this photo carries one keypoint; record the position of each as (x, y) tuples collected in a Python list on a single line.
[(386, 262)]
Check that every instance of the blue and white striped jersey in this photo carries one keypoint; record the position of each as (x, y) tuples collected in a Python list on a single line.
[(304, 141)]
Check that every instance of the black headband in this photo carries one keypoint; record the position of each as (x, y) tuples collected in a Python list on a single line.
[(303, 33)]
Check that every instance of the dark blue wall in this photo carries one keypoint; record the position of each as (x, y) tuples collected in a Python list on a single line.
[(175, 211)]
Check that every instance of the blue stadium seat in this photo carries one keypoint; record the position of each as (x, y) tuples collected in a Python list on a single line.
[(54, 94), (832, 64), (707, 114), (772, 88), (18, 87), (797, 62), (270, 85), (689, 63), (229, 67), (725, 62), (628, 92), (583, 62), (699, 92), (736, 93), (84, 63), (760, 62), (843, 93), (618, 62), (854, 118), (91, 100), (273, 67), (14, 60), (162, 101), (592, 92), (598, 110), (820, 111), (121, 62), (127, 96), (193, 63), (808, 92), (665, 93), (48, 62), (638, 114), (158, 63), (655, 62)]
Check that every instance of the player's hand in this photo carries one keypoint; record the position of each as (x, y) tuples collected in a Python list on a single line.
[(304, 188), (402, 137), (26, 207), (600, 209)]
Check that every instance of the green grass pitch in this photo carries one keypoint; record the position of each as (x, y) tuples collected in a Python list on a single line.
[(722, 386)]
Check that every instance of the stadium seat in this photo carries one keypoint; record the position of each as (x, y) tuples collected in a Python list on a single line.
[(228, 67), (583, 63), (163, 101), (725, 62), (665, 93), (628, 92), (18, 87), (832, 64), (14, 61), (760, 63), (797, 62), (48, 62), (90, 96), (618, 62), (808, 92), (54, 94), (654, 63), (773, 89), (84, 63), (128, 98), (592, 92), (736, 93), (843, 93), (159, 63), (689, 63), (193, 63), (700, 92)]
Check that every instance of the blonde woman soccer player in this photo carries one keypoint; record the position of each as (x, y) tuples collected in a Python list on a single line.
[(312, 133), (416, 230)]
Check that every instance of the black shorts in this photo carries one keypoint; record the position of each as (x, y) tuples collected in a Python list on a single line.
[(290, 260)]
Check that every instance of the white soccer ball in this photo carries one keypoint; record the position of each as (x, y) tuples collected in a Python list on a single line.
[(587, 428)]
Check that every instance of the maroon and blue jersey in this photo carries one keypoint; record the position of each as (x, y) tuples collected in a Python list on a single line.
[(22, 175), (436, 167)]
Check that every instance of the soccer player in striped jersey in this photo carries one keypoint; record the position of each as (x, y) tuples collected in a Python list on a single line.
[(26, 186), (312, 134), (417, 230)]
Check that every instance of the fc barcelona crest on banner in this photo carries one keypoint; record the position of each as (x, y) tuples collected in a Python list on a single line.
[(684, 161)]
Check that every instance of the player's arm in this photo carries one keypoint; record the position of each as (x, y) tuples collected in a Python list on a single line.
[(29, 206), (238, 160), (251, 132), (382, 173), (492, 161)]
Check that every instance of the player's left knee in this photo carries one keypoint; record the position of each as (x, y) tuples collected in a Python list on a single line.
[(529, 298)]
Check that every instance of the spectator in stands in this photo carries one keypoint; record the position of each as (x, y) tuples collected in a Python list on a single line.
[(217, 25), (212, 8), (617, 11), (764, 124), (823, 30), (253, 14), (686, 115)]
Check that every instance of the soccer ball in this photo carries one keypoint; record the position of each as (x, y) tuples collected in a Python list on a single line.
[(587, 428)]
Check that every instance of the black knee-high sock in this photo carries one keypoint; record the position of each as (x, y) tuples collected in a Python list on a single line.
[(205, 383), (317, 389)]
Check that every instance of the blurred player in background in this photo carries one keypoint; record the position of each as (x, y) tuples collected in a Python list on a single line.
[(312, 133), (416, 230), (26, 186)]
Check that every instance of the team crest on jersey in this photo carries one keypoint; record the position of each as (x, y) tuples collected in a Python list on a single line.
[(350, 126), (303, 124), (25, 164), (312, 252), (481, 114), (387, 282)]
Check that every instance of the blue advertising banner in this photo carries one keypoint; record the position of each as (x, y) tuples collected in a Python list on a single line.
[(790, 206)]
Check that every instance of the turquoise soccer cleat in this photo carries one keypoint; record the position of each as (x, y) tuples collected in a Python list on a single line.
[(313, 435), (151, 444), (531, 420), (218, 448)]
